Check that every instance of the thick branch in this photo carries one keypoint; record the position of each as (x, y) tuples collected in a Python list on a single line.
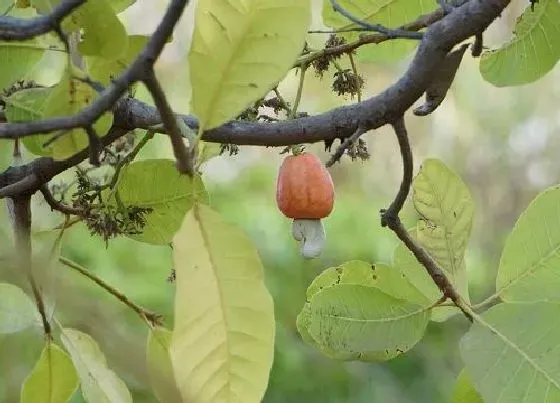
[(19, 29)]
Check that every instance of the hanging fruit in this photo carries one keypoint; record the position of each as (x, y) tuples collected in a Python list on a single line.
[(305, 193)]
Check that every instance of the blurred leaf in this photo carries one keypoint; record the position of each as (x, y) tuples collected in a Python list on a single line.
[(362, 319), (531, 255), (99, 384), (159, 366), (68, 98), (240, 50), (533, 51), (511, 353), (104, 34), (390, 13), (404, 260), (464, 391), (104, 70), (5, 5), (446, 209), (53, 379), (17, 311), (156, 184), (19, 58), (121, 5), (28, 105), (223, 341)]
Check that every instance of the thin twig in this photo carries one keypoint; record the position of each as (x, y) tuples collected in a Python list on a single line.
[(94, 145), (130, 157), (183, 154), (295, 107), (150, 317), (390, 218), (283, 102), (344, 146), (355, 71), (389, 33), (58, 205)]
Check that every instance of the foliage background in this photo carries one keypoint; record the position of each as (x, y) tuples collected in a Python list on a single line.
[(503, 142)]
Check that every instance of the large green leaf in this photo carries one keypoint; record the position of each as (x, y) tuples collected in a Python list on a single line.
[(53, 379), (223, 341), (19, 58), (68, 98), (389, 13), (362, 319), (159, 365), (104, 70), (512, 355), (446, 209), (240, 50), (28, 105), (17, 312), (464, 391), (533, 51), (384, 278), (531, 257), (121, 5), (99, 384), (157, 184)]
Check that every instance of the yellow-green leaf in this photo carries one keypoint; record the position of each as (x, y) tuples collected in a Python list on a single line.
[(240, 50), (99, 384), (157, 184), (390, 13), (69, 97), (19, 58), (446, 209), (160, 368), (223, 341), (529, 264), (464, 391), (53, 379), (533, 51)]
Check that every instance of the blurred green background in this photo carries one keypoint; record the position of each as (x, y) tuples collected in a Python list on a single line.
[(503, 142)]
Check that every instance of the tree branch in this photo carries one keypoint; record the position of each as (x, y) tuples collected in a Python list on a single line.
[(19, 29), (390, 218)]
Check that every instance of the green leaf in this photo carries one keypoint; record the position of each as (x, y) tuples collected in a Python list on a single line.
[(404, 260), (446, 209), (19, 58), (511, 353), (159, 365), (464, 391), (533, 51), (223, 341), (357, 272), (104, 70), (17, 312), (104, 34), (240, 50), (120, 5), (68, 98), (362, 319), (99, 384), (531, 255), (53, 379), (28, 105), (389, 13), (157, 184)]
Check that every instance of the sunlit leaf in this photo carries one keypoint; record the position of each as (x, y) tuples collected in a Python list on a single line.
[(68, 98), (99, 384), (53, 379), (529, 264), (121, 5), (446, 210), (159, 366), (464, 391), (511, 353), (223, 341), (157, 184), (389, 13), (240, 50), (17, 311), (19, 58), (533, 51), (362, 319)]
